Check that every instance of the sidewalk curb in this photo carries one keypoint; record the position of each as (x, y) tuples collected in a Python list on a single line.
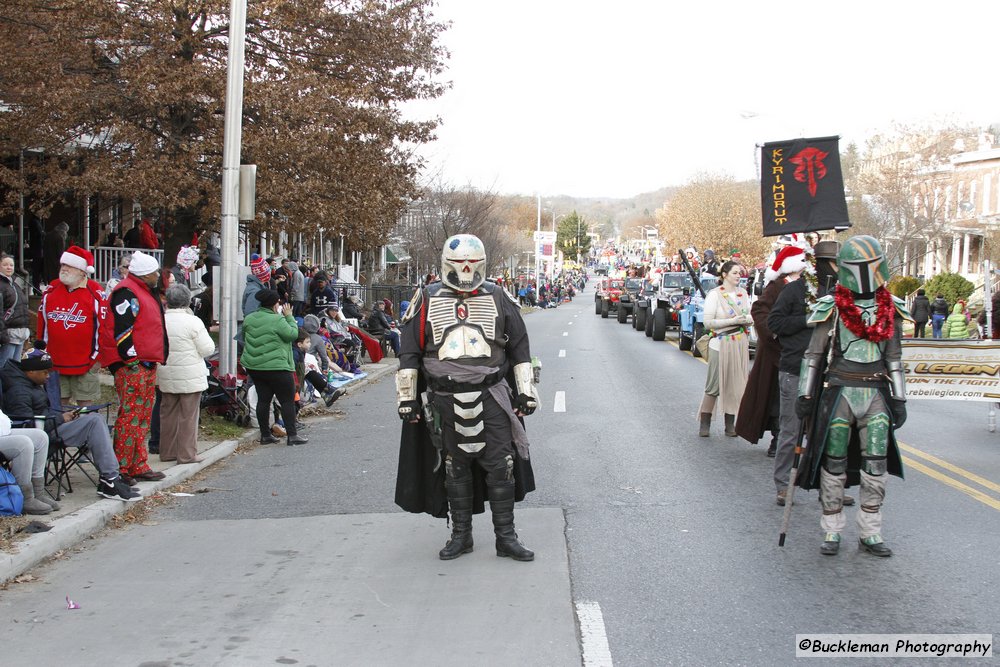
[(73, 528)]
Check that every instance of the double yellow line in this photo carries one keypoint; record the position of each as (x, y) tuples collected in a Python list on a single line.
[(970, 491)]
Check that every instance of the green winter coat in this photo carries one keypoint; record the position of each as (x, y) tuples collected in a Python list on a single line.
[(956, 326), (268, 339)]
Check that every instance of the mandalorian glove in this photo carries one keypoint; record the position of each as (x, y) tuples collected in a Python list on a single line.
[(804, 406), (898, 408)]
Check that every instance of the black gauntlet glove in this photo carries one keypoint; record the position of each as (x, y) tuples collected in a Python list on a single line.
[(898, 408), (525, 404), (409, 411), (804, 406)]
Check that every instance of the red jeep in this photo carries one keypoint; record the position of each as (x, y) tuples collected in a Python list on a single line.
[(609, 291)]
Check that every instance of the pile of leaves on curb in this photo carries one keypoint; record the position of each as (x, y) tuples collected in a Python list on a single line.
[(10, 527)]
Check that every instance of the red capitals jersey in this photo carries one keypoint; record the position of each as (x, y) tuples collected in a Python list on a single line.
[(69, 323)]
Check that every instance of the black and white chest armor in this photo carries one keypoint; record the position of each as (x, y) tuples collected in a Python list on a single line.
[(464, 327)]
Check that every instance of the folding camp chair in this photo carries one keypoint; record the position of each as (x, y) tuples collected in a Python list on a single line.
[(63, 458)]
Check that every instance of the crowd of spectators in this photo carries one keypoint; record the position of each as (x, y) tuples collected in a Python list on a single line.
[(295, 344)]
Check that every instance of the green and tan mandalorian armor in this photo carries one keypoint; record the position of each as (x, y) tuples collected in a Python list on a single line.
[(862, 390)]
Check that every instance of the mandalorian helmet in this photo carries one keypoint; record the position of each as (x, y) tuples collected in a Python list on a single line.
[(463, 262), (861, 265)]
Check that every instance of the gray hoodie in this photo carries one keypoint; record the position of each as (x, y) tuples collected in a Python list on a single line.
[(317, 344), (298, 282)]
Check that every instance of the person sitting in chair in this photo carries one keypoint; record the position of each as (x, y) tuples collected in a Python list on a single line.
[(380, 325), (25, 398)]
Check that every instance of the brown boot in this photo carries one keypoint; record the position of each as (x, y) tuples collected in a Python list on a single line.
[(706, 424), (731, 425)]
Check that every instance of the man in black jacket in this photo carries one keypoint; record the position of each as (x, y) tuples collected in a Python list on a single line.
[(921, 312), (25, 397), (939, 313), (787, 321), (379, 325)]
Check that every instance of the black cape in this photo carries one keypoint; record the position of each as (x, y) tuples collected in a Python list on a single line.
[(808, 474), (420, 489)]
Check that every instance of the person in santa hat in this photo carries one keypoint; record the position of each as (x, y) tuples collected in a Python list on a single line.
[(761, 405), (69, 321)]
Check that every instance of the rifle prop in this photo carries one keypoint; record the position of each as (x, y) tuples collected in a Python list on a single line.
[(691, 272)]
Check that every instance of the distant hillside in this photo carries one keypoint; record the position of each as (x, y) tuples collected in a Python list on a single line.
[(611, 216)]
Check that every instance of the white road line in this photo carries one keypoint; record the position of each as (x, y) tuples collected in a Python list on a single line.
[(570, 322), (559, 404), (562, 353), (596, 652), (565, 333)]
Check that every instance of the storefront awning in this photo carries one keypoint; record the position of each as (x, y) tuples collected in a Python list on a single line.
[(394, 254)]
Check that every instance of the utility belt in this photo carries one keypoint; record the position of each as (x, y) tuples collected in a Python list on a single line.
[(447, 385), (841, 378), (731, 333)]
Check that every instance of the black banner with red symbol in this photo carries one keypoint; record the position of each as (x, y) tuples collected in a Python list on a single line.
[(802, 186)]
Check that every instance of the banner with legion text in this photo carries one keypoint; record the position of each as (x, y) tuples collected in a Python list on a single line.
[(965, 370), (802, 186)]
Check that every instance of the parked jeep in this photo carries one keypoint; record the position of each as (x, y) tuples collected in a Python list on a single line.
[(692, 316), (660, 310), (606, 298), (626, 301), (693, 320)]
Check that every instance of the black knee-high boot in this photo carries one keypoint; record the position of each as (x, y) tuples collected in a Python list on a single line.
[(460, 503), (501, 496)]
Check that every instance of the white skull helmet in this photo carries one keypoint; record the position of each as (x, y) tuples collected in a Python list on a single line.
[(463, 262)]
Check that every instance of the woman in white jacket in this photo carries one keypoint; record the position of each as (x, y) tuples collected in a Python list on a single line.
[(727, 317), (183, 378)]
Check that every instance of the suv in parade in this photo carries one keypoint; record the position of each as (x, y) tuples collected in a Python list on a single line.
[(607, 295), (626, 301), (661, 309)]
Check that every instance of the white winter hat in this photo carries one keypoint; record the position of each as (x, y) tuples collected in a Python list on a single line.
[(142, 264)]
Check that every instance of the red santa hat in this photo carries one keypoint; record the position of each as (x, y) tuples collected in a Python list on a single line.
[(789, 259), (78, 258)]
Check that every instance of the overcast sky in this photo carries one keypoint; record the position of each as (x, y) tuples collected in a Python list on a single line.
[(610, 99)]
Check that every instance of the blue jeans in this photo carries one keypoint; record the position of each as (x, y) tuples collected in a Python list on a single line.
[(937, 321), (10, 351)]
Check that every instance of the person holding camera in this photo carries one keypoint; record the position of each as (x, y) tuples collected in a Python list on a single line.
[(269, 333)]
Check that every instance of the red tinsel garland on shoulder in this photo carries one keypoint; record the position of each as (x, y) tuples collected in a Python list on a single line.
[(885, 323)]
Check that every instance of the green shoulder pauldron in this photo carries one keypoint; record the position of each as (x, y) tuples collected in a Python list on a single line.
[(821, 310), (901, 309)]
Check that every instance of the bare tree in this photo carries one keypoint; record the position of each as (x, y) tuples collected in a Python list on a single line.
[(443, 211), (901, 187)]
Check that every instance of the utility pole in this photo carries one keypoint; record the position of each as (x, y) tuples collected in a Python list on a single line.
[(232, 140)]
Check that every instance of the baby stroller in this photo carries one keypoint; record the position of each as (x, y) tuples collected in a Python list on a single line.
[(227, 398)]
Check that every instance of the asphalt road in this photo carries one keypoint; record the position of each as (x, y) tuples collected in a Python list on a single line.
[(671, 536)]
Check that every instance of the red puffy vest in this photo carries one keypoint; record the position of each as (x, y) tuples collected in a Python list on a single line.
[(147, 331)]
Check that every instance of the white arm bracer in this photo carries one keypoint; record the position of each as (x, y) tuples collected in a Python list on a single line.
[(406, 384), (524, 378)]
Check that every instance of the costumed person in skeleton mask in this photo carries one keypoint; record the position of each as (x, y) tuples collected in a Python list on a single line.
[(855, 351), (464, 382)]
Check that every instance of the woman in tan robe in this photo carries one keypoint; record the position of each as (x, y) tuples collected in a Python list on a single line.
[(727, 318)]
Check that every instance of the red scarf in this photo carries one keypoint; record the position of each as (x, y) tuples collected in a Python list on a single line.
[(885, 324)]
